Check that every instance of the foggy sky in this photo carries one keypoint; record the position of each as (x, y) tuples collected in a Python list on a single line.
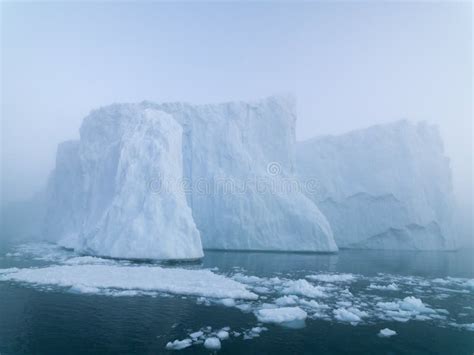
[(349, 66)]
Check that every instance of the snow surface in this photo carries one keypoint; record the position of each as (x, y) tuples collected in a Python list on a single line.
[(384, 187)]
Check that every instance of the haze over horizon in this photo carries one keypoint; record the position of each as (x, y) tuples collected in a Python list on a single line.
[(350, 66)]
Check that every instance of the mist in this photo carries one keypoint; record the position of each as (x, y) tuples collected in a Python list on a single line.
[(350, 66)]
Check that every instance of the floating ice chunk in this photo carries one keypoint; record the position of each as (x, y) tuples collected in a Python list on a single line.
[(386, 333), (179, 344), (344, 315), (414, 304), (390, 287), (147, 278), (469, 326), (313, 304), (332, 277), (223, 335), (228, 302), (302, 287), (212, 343), (258, 330), (469, 283), (196, 335), (406, 309), (281, 315), (290, 300), (246, 279)]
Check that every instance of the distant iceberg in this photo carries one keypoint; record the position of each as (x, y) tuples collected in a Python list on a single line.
[(384, 187)]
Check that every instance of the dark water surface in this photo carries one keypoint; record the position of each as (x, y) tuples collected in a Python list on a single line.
[(35, 321)]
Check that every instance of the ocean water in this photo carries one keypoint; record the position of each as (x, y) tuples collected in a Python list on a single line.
[(58, 319)]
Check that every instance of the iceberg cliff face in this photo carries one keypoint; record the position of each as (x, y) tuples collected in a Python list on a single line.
[(143, 176), (238, 201), (100, 197), (385, 187)]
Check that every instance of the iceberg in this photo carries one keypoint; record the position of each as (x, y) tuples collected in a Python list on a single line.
[(239, 159), (162, 181), (99, 195), (384, 187)]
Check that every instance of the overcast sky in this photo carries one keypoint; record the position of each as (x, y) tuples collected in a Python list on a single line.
[(350, 65)]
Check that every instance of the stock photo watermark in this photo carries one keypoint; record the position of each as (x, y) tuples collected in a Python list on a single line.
[(271, 181)]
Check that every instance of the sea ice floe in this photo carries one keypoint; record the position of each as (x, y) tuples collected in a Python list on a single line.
[(351, 315), (281, 315), (196, 335), (146, 278), (179, 344), (386, 333), (406, 309)]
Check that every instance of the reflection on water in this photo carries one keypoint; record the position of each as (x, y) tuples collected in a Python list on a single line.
[(435, 264)]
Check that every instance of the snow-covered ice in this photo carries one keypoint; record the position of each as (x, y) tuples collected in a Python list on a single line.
[(302, 287), (145, 278)]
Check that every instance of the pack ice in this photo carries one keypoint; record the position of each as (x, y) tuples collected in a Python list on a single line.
[(152, 180), (384, 187)]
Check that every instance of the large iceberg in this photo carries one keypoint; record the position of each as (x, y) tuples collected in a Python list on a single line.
[(99, 196), (384, 187), (150, 180)]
